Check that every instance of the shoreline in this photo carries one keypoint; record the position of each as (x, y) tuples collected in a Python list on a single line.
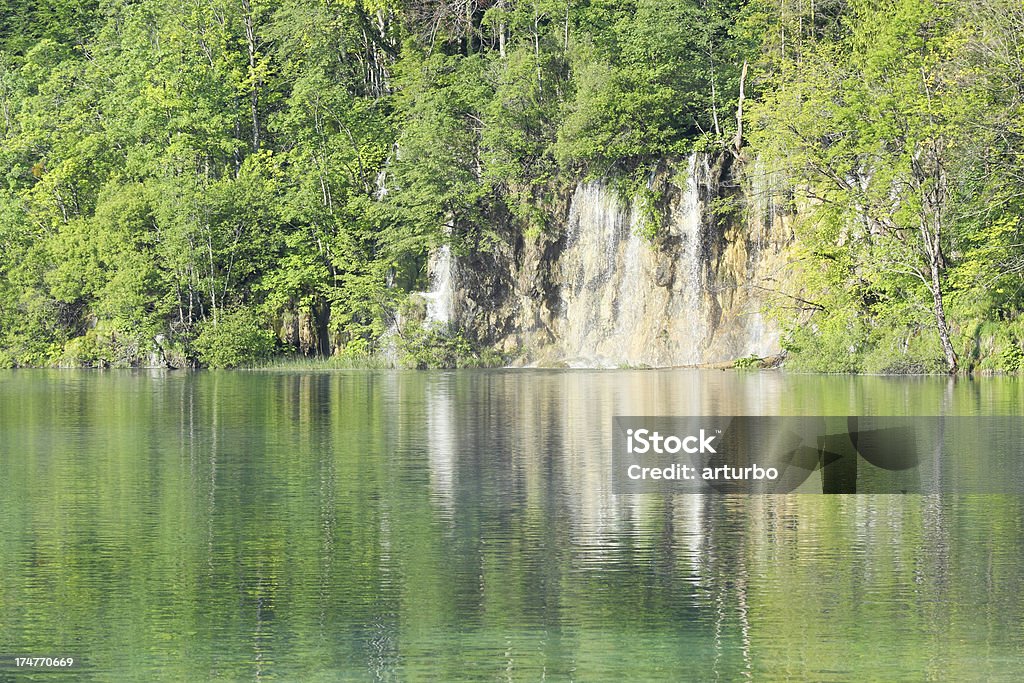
[(323, 364)]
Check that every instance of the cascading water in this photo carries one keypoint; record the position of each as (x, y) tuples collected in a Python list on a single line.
[(588, 307), (607, 295), (689, 310), (440, 297), (612, 309)]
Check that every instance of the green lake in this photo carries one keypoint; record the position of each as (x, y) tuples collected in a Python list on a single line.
[(460, 526)]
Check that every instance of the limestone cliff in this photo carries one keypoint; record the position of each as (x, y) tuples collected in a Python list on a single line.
[(596, 291)]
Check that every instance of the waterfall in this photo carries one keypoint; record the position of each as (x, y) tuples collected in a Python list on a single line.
[(440, 297), (689, 307), (586, 311), (611, 311), (605, 294)]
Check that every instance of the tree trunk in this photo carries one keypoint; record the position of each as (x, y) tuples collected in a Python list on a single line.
[(737, 142), (254, 93), (930, 177), (536, 50), (565, 43), (714, 97), (935, 268)]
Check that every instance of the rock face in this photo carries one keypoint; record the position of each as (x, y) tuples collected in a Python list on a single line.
[(597, 292)]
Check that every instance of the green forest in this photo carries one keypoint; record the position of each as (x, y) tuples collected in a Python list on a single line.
[(194, 177)]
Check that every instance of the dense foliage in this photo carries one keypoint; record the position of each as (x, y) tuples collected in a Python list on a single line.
[(172, 168), (901, 127)]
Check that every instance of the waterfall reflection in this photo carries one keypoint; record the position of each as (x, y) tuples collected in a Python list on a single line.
[(442, 431)]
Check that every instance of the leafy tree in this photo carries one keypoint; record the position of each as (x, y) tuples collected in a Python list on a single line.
[(876, 127)]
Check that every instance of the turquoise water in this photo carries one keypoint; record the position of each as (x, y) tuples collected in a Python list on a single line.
[(460, 526)]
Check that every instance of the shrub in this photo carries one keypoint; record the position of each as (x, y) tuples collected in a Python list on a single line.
[(750, 362), (427, 347), (832, 344), (1011, 359), (904, 351), (90, 350), (236, 338)]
